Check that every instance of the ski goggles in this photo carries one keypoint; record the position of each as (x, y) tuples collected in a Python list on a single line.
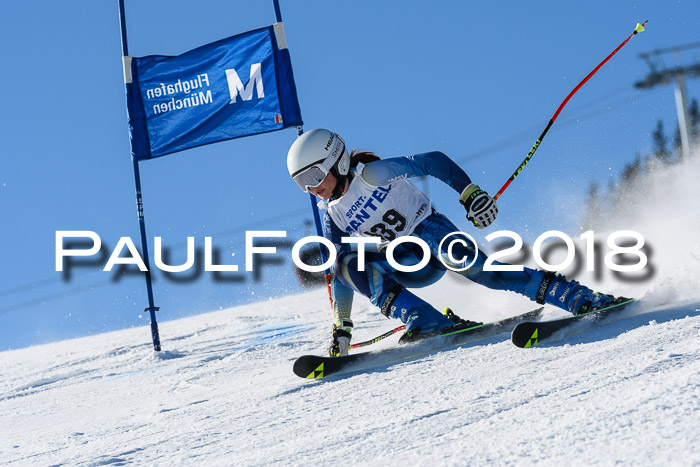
[(311, 177)]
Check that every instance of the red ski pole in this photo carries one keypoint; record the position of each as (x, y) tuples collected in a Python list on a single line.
[(638, 29), (378, 338)]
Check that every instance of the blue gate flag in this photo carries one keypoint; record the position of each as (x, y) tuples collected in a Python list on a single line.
[(235, 87)]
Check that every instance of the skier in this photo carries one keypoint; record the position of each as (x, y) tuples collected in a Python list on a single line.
[(368, 196)]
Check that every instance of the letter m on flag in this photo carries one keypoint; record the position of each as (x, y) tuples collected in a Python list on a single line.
[(235, 85)]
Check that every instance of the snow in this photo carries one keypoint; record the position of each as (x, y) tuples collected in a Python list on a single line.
[(222, 392)]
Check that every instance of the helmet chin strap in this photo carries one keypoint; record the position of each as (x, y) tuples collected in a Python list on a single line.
[(339, 189)]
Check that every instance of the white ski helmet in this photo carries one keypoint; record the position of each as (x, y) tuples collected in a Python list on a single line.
[(314, 155)]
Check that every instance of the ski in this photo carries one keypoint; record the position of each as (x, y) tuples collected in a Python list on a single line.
[(315, 366), (529, 333)]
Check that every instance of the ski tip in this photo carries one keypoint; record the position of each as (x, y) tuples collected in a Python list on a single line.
[(309, 366), (525, 335)]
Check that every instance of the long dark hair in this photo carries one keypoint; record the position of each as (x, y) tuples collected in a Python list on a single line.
[(358, 156)]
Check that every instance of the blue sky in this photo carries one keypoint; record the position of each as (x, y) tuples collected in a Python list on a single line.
[(478, 81)]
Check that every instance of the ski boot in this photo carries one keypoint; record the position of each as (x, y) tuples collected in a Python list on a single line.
[(421, 318), (571, 295), (459, 323)]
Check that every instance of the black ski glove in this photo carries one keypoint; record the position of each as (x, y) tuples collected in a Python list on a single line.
[(481, 208)]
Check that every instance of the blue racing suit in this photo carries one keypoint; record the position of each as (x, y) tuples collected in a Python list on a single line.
[(379, 277)]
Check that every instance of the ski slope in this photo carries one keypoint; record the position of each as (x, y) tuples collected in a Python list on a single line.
[(222, 393)]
